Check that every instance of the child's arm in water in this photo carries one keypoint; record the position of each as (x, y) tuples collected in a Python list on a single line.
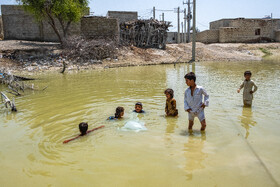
[(95, 128), (66, 141), (241, 86)]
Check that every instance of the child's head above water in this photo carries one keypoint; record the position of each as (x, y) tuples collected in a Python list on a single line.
[(83, 128), (190, 78), (247, 75), (119, 112), (138, 107), (169, 93)]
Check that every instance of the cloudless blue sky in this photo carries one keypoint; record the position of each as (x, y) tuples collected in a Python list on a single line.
[(207, 10)]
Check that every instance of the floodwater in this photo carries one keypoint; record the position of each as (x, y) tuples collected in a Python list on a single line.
[(239, 148)]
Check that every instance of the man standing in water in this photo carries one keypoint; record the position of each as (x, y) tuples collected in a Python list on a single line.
[(193, 101), (248, 84)]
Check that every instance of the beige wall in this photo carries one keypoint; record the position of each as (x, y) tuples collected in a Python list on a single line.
[(19, 25), (208, 36), (123, 16), (220, 23), (100, 27), (277, 36), (1, 28)]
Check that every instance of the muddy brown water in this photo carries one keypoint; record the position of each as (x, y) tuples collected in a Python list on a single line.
[(240, 146)]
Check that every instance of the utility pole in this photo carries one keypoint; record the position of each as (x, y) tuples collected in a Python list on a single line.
[(154, 12), (194, 31), (183, 34), (178, 34), (189, 16), (185, 24), (272, 33), (163, 16)]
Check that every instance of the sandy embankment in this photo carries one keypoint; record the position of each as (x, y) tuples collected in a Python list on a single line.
[(133, 56)]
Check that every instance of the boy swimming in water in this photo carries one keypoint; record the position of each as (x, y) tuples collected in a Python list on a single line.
[(84, 130), (139, 108), (118, 115), (248, 85), (193, 101)]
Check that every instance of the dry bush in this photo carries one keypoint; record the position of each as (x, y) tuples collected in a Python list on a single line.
[(79, 48)]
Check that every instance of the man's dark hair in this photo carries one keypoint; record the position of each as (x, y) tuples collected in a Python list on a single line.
[(190, 76), (170, 92), (247, 73), (119, 110), (83, 128)]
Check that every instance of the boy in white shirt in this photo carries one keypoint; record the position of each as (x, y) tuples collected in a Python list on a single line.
[(193, 101)]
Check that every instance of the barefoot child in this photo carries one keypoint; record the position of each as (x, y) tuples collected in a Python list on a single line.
[(170, 106), (193, 101), (248, 84), (118, 115), (84, 130), (139, 108)]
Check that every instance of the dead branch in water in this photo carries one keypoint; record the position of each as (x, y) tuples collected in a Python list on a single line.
[(7, 102)]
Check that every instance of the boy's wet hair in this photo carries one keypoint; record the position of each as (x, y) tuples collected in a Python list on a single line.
[(83, 128), (190, 76), (119, 110), (139, 103), (247, 73), (170, 92)]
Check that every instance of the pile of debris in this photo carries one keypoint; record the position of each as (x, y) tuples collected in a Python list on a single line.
[(81, 49), (144, 33)]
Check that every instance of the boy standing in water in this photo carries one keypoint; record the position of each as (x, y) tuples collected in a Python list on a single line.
[(248, 84), (193, 101), (170, 106)]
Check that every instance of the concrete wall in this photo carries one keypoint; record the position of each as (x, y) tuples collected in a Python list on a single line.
[(1, 28), (123, 16), (20, 25), (208, 36), (100, 27), (277, 36)]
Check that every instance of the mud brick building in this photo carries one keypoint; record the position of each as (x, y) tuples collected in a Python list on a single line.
[(95, 27), (241, 30), (123, 16)]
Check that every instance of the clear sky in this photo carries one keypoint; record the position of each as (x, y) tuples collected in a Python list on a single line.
[(207, 10)]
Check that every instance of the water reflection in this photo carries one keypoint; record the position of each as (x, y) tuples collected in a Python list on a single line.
[(193, 152), (247, 119)]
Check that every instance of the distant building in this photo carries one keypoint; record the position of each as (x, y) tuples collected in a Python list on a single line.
[(123, 16), (241, 30)]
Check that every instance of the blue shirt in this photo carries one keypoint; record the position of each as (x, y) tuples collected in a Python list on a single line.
[(142, 111), (194, 102)]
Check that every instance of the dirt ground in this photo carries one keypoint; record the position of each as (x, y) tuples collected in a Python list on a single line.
[(133, 56)]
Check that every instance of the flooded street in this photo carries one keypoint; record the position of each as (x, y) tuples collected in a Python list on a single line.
[(239, 148)]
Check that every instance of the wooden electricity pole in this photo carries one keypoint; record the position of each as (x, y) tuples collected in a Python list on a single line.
[(154, 12), (163, 16)]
